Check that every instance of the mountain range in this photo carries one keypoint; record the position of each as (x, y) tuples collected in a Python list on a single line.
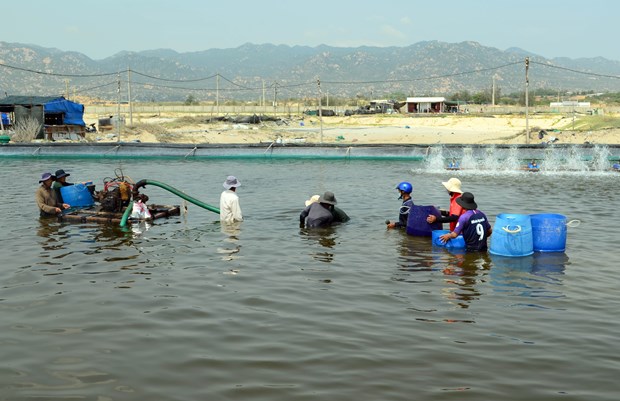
[(269, 72)]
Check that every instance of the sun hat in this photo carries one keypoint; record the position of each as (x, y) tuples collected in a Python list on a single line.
[(453, 185), (466, 201), (313, 199), (46, 176), (61, 173), (329, 198), (231, 182)]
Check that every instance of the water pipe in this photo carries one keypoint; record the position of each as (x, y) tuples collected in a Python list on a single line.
[(126, 214), (144, 183)]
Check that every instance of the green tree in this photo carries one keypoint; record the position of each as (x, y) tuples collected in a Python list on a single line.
[(191, 100)]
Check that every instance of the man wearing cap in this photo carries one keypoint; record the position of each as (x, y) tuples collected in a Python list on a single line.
[(473, 224), (230, 211), (46, 199), (453, 186), (318, 214)]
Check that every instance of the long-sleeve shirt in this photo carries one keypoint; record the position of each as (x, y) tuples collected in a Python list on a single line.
[(454, 213), (230, 211), (47, 201), (403, 213), (316, 215)]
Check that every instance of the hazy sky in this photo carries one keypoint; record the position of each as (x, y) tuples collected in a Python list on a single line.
[(101, 28)]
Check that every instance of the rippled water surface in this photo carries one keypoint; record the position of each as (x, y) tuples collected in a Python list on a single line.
[(185, 310)]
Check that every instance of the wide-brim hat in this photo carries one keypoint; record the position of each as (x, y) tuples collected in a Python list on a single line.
[(453, 185), (313, 199), (329, 198), (466, 201), (46, 176), (61, 173), (231, 182)]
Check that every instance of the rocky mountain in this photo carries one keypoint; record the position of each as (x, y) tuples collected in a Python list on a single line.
[(251, 72)]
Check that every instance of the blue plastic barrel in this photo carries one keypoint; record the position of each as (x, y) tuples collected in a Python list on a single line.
[(77, 195), (512, 235), (458, 242), (417, 225), (549, 232)]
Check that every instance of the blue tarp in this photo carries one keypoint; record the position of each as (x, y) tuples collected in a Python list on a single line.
[(73, 112), (5, 119)]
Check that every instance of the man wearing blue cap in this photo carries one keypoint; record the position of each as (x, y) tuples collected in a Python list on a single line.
[(46, 197)]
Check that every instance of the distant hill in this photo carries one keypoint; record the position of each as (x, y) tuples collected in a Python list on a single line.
[(251, 72)]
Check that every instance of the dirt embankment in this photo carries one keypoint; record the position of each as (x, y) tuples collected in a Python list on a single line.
[(373, 129)]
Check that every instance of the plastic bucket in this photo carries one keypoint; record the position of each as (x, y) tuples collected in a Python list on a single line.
[(458, 242), (549, 232), (77, 195), (417, 225), (512, 235)]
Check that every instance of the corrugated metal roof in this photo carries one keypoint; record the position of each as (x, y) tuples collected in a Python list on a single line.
[(27, 100), (425, 99)]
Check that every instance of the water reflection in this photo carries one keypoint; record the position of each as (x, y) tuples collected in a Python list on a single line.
[(461, 272), (539, 275), (324, 236), (231, 233)]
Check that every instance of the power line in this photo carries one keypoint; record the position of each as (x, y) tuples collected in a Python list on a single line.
[(56, 74), (576, 71)]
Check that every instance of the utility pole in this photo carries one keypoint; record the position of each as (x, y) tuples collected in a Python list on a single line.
[(129, 96), (67, 88), (493, 93), (118, 110), (318, 82), (275, 99), (527, 84), (217, 93)]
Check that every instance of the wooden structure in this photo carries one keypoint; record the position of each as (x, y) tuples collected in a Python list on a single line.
[(96, 215)]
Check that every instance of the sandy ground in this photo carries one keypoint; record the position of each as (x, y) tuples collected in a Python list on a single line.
[(376, 129)]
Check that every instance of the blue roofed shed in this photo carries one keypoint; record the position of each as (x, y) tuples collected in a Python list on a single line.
[(58, 116)]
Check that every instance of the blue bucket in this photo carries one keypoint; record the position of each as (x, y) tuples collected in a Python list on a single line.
[(549, 232), (512, 235), (458, 242), (77, 195), (417, 225)]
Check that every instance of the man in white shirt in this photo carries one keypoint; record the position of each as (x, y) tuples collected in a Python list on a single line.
[(230, 211)]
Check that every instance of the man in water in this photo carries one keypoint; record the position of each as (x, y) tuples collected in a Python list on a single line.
[(319, 213), (453, 186), (339, 215), (473, 224), (46, 199), (404, 189), (230, 211)]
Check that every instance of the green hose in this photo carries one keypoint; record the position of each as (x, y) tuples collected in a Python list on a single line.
[(175, 191), (126, 214)]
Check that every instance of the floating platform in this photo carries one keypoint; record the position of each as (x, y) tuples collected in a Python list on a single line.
[(96, 215)]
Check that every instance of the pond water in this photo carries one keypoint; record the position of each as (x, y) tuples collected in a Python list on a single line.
[(183, 309)]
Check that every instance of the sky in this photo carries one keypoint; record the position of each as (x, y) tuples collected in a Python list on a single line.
[(102, 28)]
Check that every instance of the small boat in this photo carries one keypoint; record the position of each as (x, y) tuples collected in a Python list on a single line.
[(96, 214)]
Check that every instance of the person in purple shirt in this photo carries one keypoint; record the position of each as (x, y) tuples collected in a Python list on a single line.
[(473, 224)]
